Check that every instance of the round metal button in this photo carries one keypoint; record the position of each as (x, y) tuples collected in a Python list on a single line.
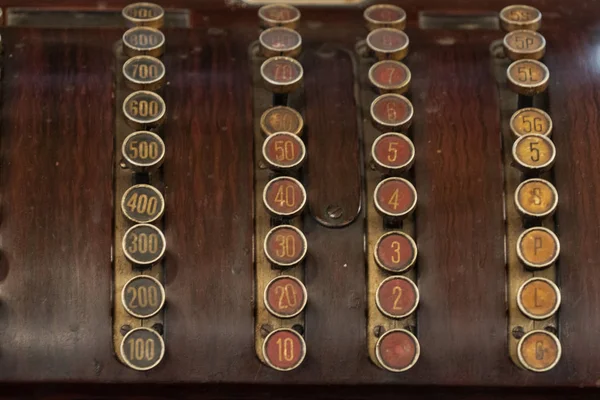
[(527, 77), (395, 197), (285, 246), (534, 153), (285, 296), (281, 74), (397, 350), (281, 119), (143, 204), (397, 297), (143, 40), (538, 248), (284, 197), (385, 16), (530, 120), (142, 349), (144, 73), (284, 349), (280, 41), (284, 151), (539, 351), (536, 198), (144, 244), (520, 45), (395, 252), (279, 15), (143, 151), (518, 16), (393, 153), (538, 298), (388, 43), (144, 109), (392, 112), (144, 14), (143, 296), (390, 76)]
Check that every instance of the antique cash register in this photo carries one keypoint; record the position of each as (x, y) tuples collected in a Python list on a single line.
[(310, 199)]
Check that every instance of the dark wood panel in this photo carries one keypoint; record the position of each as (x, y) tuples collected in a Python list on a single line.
[(574, 107), (459, 218), (209, 214), (56, 185), (334, 163)]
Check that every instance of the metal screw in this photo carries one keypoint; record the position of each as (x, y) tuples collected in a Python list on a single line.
[(334, 211), (123, 165), (262, 165), (298, 328), (551, 329), (125, 329), (265, 329), (378, 331), (159, 328), (518, 332)]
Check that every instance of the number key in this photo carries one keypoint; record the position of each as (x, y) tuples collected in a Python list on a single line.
[(284, 151), (397, 297), (284, 197), (143, 151), (393, 153), (285, 296), (143, 203), (144, 109), (285, 246), (395, 197), (144, 73), (142, 349), (143, 40), (527, 77), (143, 296), (531, 121), (284, 349), (395, 252), (144, 244), (534, 153)]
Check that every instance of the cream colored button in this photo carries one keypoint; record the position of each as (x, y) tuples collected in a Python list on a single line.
[(527, 77), (539, 351), (530, 121), (524, 45), (538, 298), (536, 198), (534, 153), (538, 248), (519, 16)]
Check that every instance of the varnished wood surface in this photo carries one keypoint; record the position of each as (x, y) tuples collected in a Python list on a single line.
[(56, 184), (334, 162), (56, 143), (574, 105), (459, 218)]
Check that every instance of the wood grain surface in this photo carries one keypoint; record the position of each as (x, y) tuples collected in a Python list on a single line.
[(56, 147), (334, 173)]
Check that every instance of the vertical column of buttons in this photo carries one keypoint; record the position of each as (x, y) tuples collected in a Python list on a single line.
[(531, 199), (280, 152), (393, 296), (139, 297)]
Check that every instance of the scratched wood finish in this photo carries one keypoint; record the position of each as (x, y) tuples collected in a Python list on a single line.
[(334, 178), (56, 185), (48, 210), (574, 104)]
